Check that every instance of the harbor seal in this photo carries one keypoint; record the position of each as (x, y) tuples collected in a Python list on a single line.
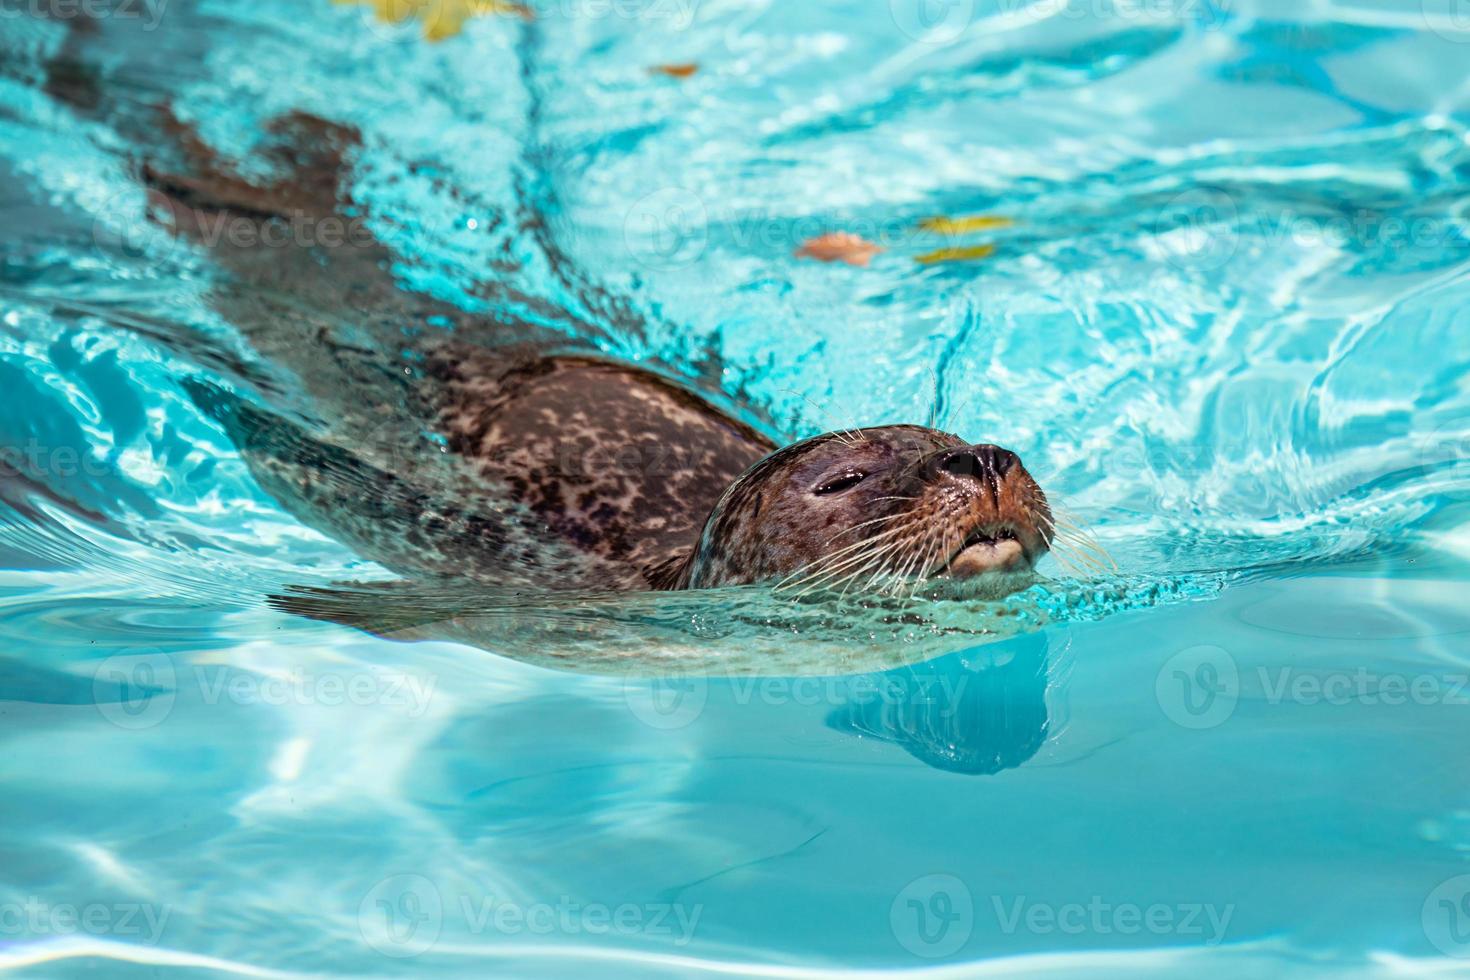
[(530, 457), (883, 504)]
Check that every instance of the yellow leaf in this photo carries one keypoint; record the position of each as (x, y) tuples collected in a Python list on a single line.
[(442, 18), (956, 226), (956, 254)]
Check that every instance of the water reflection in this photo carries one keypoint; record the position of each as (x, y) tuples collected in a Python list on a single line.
[(980, 711)]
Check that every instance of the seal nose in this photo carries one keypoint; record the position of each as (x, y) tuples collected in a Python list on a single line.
[(977, 462)]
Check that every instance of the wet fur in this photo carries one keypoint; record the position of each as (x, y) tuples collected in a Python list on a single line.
[(568, 470), (508, 453)]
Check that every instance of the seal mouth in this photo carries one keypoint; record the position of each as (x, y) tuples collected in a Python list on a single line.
[(988, 548)]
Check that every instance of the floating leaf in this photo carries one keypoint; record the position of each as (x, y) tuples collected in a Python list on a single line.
[(966, 254), (839, 246), (686, 70), (442, 19), (956, 226)]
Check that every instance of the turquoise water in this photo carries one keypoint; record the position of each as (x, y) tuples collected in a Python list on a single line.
[(1226, 326)]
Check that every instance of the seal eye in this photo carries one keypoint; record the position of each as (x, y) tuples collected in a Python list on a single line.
[(839, 483)]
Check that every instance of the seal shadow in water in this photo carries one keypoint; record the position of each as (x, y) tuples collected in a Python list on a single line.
[(977, 712)]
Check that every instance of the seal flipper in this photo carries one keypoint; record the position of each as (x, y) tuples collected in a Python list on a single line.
[(379, 514), (301, 244)]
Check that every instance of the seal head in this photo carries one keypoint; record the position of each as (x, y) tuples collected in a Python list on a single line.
[(886, 504)]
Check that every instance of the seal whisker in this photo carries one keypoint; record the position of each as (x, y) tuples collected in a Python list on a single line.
[(887, 567), (848, 436), (823, 568), (863, 560), (1065, 565), (858, 527), (1065, 520), (1083, 543), (912, 561), (878, 548), (1086, 543), (941, 540), (901, 575), (881, 571), (1079, 571), (846, 549), (828, 582), (1078, 563)]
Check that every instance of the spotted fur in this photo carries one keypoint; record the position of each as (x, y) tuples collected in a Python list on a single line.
[(495, 450)]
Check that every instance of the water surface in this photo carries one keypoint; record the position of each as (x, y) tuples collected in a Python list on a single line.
[(1224, 324)]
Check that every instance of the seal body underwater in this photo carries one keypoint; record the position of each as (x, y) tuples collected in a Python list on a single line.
[(523, 457)]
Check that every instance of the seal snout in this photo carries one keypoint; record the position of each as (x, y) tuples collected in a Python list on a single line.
[(979, 462), (988, 494)]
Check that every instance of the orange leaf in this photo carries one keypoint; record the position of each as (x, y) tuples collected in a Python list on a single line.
[(685, 70), (839, 246)]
